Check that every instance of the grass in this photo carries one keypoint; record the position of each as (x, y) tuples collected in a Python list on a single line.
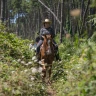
[(74, 76)]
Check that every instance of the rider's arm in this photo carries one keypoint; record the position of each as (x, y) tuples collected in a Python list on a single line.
[(41, 34)]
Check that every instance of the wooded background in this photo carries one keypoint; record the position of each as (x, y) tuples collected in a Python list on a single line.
[(24, 17)]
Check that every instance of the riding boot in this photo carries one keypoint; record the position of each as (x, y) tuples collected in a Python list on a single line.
[(38, 57), (57, 56)]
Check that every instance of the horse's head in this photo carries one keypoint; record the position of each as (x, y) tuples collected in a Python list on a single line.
[(49, 37), (47, 43), (48, 40)]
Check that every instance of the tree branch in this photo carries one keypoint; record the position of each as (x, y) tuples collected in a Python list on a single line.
[(50, 11)]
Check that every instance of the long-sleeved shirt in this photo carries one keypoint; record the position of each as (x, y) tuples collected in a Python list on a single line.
[(45, 31)]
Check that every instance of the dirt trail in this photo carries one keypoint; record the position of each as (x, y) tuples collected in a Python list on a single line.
[(51, 91)]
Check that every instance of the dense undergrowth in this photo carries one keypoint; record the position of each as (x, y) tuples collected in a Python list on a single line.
[(74, 76), (18, 77)]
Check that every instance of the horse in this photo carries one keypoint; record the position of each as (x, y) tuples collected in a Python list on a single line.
[(47, 56)]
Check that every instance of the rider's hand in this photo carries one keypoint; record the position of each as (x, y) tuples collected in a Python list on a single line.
[(42, 36)]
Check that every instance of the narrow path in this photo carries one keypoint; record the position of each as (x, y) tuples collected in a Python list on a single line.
[(50, 90)]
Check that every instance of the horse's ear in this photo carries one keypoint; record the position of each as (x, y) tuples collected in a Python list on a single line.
[(48, 36)]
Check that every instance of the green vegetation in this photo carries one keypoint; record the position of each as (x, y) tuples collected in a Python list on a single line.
[(16, 76), (74, 76)]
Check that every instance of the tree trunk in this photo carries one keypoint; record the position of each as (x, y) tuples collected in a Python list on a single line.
[(50, 11), (84, 17), (2, 11), (62, 22)]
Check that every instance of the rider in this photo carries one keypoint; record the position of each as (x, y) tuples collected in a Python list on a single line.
[(47, 30)]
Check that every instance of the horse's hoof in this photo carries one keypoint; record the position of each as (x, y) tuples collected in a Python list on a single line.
[(43, 80), (43, 70), (49, 82)]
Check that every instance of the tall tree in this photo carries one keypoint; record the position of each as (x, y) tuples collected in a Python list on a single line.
[(28, 15)]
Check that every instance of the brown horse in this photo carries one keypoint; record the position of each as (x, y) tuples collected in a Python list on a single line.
[(47, 56)]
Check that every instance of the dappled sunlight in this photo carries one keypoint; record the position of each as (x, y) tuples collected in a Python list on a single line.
[(75, 12), (72, 70)]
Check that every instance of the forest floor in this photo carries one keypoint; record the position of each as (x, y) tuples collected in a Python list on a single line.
[(51, 91)]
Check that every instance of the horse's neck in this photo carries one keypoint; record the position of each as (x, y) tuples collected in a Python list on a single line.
[(47, 43)]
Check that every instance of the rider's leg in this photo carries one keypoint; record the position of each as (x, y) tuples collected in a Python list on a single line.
[(38, 49), (38, 46), (57, 56), (54, 43), (37, 39), (56, 51)]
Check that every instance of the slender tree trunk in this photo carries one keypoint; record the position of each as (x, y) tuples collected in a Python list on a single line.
[(50, 11), (6, 8), (58, 6), (82, 8), (84, 17), (2, 11), (62, 22)]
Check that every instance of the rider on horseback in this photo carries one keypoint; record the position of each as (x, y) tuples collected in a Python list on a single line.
[(44, 31)]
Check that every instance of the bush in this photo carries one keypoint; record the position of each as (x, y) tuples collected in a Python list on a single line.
[(16, 77), (75, 76)]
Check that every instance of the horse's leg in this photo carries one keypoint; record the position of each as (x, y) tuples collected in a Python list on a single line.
[(43, 71), (43, 75), (50, 69), (43, 64), (49, 73)]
